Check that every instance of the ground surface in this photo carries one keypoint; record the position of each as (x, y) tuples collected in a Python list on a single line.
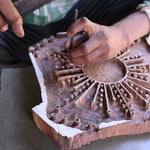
[(20, 92)]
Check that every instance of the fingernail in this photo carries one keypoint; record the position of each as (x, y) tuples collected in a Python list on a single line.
[(68, 61), (21, 32), (68, 34), (18, 30), (4, 28), (71, 64)]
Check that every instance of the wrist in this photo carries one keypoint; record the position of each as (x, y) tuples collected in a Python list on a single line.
[(123, 33), (133, 27)]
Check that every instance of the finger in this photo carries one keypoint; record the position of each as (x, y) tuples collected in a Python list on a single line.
[(87, 47), (80, 24), (76, 42), (18, 28), (3, 25), (67, 45), (10, 12), (98, 55)]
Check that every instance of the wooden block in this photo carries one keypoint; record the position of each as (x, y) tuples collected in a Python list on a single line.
[(96, 100), (77, 139)]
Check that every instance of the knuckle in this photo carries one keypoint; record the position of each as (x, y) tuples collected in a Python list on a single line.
[(3, 29), (84, 20), (2, 23), (85, 49), (87, 59), (108, 46), (17, 19), (106, 37), (72, 55)]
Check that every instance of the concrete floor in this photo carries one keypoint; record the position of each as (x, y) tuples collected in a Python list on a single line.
[(20, 92)]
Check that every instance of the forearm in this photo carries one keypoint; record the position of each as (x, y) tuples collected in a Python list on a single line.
[(134, 26)]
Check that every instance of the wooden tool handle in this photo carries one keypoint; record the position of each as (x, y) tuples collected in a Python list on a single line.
[(25, 7)]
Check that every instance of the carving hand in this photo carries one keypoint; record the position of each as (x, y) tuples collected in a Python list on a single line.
[(102, 42), (8, 10)]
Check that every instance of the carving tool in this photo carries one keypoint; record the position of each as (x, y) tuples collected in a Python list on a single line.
[(75, 18)]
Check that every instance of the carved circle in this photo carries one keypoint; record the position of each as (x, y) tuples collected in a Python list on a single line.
[(109, 71)]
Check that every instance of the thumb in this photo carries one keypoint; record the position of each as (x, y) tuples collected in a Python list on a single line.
[(80, 24)]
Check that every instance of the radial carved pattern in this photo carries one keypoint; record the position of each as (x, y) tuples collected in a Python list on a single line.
[(120, 91), (101, 95)]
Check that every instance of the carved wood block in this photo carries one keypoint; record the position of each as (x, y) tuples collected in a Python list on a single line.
[(89, 102)]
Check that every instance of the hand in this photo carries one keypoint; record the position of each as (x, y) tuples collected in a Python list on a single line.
[(103, 42), (8, 10)]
